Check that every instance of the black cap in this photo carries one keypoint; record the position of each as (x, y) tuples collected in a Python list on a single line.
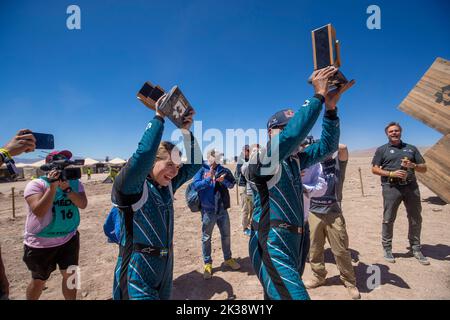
[(280, 119)]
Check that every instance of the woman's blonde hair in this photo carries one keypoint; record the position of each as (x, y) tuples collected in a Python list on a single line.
[(165, 148)]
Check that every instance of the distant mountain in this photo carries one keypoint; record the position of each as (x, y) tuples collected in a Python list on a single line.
[(27, 161), (371, 151), (33, 160)]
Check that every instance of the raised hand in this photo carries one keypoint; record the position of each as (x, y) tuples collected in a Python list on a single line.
[(320, 79), (158, 104), (23, 141), (188, 120), (332, 97)]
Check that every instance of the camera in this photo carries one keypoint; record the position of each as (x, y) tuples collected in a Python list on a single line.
[(66, 169)]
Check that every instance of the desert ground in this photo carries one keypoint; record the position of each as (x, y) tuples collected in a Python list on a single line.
[(406, 279)]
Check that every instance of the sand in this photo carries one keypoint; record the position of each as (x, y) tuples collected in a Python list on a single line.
[(406, 279)]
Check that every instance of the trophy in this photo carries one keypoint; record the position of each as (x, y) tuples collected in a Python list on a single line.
[(175, 105), (326, 52)]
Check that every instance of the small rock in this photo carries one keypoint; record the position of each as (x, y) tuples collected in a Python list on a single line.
[(85, 294), (436, 210)]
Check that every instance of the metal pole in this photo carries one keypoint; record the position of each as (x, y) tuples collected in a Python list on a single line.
[(360, 180), (13, 203)]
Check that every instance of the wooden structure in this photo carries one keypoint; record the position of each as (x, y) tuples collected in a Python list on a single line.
[(429, 102)]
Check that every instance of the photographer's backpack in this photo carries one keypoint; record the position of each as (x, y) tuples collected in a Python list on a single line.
[(192, 198), (111, 227)]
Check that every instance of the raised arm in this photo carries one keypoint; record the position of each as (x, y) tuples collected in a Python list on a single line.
[(329, 142), (130, 180), (228, 179), (199, 183), (194, 160), (284, 144), (23, 141)]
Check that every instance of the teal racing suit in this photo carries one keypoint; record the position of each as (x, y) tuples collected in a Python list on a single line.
[(145, 264), (277, 227)]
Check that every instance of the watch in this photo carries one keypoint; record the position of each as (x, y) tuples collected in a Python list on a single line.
[(67, 190)]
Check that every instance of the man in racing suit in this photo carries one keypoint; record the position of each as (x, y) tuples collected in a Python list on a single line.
[(277, 227)]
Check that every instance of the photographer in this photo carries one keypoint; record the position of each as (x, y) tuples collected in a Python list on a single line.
[(51, 236), (212, 182), (22, 142)]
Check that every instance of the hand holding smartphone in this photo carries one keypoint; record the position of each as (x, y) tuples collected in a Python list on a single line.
[(44, 140)]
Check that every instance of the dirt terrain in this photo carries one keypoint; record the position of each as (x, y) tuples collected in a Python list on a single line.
[(406, 279)]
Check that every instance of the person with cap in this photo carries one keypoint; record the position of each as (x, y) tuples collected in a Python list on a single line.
[(212, 182), (313, 185), (245, 192), (275, 172), (327, 222), (23, 141), (396, 163), (51, 236), (143, 192)]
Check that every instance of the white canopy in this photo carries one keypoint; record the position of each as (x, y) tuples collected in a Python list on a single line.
[(18, 165), (24, 165), (117, 161), (90, 161), (37, 164)]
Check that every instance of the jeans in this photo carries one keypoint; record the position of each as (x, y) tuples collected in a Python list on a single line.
[(393, 196), (209, 220)]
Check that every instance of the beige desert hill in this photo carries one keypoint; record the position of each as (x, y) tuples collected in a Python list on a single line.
[(371, 151)]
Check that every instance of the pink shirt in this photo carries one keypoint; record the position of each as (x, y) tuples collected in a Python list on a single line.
[(34, 224)]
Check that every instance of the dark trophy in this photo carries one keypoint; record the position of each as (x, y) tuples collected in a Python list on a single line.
[(175, 105), (326, 52)]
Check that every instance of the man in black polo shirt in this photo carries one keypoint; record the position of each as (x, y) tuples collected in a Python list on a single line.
[(396, 163)]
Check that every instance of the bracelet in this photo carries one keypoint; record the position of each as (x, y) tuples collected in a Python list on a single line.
[(67, 190), (5, 153), (390, 174)]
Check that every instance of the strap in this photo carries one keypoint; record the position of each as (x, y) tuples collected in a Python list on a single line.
[(126, 252), (148, 250), (280, 224), (6, 153)]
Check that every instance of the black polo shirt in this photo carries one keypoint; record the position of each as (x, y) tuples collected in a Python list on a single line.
[(389, 157)]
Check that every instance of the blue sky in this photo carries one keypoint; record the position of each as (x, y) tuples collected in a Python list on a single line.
[(237, 62)]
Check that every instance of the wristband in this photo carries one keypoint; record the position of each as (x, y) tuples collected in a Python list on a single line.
[(159, 118), (67, 190), (320, 97), (5, 153), (331, 114), (390, 174)]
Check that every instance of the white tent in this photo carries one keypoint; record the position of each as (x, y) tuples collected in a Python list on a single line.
[(117, 161), (37, 164), (24, 165), (90, 162)]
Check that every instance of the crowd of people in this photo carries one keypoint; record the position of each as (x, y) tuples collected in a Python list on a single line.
[(290, 198)]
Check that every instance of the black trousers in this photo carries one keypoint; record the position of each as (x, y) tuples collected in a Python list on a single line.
[(393, 196)]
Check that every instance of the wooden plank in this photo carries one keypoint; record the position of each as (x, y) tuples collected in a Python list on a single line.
[(423, 101), (437, 177)]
